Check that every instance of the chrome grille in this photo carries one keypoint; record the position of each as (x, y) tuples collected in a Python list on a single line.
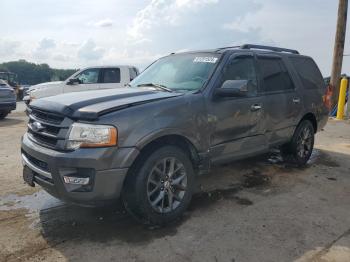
[(47, 129), (47, 116)]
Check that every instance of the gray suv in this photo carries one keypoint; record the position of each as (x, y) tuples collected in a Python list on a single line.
[(7, 99), (186, 112)]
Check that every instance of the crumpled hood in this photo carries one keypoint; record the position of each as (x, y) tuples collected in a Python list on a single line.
[(89, 105)]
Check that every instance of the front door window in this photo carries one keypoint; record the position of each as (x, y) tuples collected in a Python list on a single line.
[(88, 76), (242, 68)]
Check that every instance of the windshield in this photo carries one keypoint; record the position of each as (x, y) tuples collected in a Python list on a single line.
[(185, 72)]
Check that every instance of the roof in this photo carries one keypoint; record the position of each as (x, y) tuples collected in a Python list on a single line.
[(108, 66), (261, 47), (255, 48)]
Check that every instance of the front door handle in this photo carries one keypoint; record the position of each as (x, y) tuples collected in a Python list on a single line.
[(255, 107), (296, 100)]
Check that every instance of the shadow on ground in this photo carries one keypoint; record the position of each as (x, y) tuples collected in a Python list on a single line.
[(10, 122), (66, 223), (102, 224)]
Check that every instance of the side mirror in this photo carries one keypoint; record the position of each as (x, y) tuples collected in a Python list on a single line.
[(73, 81), (232, 88)]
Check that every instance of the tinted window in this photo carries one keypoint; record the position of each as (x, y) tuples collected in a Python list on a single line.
[(242, 68), (88, 76), (275, 75), (111, 75), (308, 72)]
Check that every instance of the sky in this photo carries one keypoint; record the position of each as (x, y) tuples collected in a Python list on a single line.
[(79, 33)]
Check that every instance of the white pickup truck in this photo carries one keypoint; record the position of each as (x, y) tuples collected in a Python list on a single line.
[(90, 78)]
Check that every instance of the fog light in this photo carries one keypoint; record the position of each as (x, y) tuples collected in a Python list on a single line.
[(76, 180)]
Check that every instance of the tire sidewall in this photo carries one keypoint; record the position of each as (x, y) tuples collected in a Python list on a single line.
[(3, 114), (304, 124), (140, 206)]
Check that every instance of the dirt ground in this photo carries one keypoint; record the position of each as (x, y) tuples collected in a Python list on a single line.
[(252, 210)]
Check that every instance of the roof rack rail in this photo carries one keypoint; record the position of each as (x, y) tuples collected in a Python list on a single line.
[(262, 47), (272, 48), (228, 47)]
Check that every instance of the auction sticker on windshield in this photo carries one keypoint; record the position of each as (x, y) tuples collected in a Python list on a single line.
[(206, 59)]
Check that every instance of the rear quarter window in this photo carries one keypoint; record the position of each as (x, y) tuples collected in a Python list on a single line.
[(308, 72), (274, 74)]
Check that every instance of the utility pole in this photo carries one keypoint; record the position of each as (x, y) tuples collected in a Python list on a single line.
[(338, 49)]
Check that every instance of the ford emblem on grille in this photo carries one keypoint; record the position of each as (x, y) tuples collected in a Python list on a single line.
[(36, 126)]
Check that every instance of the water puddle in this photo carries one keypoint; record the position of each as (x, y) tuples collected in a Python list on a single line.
[(320, 158), (59, 222), (33, 203), (206, 199), (274, 157), (255, 179)]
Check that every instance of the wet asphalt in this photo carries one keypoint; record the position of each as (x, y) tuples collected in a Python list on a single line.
[(258, 209)]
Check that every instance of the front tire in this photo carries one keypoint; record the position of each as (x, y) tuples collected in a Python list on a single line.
[(3, 114), (299, 149), (160, 185)]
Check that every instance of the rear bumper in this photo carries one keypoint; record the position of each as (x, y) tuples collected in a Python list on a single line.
[(322, 123), (322, 119), (8, 106), (99, 165)]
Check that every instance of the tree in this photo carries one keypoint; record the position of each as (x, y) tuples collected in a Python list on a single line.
[(32, 74)]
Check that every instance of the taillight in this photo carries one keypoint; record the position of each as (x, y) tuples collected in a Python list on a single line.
[(327, 97)]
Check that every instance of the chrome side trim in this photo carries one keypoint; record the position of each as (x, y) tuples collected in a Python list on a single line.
[(27, 163)]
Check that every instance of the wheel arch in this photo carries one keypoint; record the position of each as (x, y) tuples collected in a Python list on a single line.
[(158, 141), (174, 139), (312, 118)]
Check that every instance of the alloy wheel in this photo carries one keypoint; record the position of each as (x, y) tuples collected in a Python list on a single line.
[(305, 142), (166, 185)]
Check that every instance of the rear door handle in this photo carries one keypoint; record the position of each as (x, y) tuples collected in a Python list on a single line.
[(255, 107), (296, 100)]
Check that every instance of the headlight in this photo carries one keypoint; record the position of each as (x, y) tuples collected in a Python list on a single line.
[(85, 135), (31, 96)]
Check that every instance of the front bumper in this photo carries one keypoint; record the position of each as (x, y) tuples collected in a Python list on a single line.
[(106, 168), (7, 106)]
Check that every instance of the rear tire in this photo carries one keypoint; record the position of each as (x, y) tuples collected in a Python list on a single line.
[(159, 187), (3, 114), (299, 149)]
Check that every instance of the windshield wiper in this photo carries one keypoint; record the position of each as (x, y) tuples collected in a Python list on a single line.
[(159, 86)]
